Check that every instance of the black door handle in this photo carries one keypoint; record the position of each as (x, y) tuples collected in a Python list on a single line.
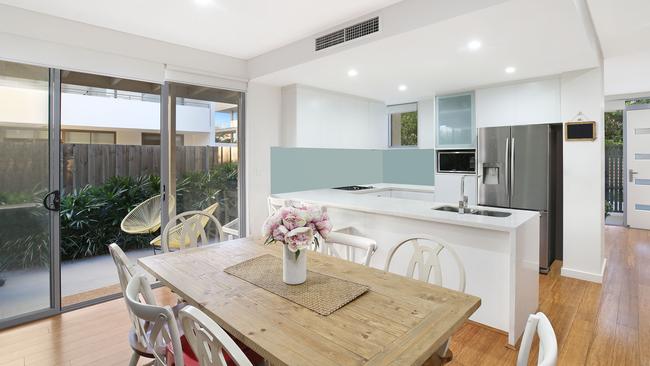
[(56, 201)]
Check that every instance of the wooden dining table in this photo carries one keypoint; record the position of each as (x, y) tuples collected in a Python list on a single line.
[(398, 321)]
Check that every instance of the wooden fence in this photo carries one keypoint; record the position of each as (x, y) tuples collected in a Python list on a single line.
[(24, 165), (83, 164), (614, 177)]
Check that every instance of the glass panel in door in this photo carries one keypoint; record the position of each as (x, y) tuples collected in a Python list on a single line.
[(25, 245), (637, 155), (206, 153), (107, 175)]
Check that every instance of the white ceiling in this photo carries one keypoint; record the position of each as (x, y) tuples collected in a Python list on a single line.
[(539, 38), (238, 28), (623, 26)]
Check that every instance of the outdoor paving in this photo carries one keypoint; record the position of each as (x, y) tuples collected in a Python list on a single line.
[(29, 290), (614, 218)]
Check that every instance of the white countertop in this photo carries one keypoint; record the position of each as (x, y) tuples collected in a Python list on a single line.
[(415, 209)]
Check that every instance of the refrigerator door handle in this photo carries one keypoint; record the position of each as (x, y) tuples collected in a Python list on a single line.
[(512, 173), (507, 172)]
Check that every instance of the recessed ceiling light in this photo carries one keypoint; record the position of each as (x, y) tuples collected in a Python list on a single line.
[(402, 87), (474, 45), (352, 73), (510, 69), (204, 2)]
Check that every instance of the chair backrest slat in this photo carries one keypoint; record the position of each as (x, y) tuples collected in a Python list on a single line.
[(162, 328), (125, 272), (538, 323), (351, 244), (425, 260), (274, 204), (188, 230), (208, 340)]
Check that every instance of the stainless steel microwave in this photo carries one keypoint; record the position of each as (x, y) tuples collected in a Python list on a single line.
[(456, 161)]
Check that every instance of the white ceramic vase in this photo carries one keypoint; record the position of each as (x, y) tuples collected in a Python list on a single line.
[(294, 270)]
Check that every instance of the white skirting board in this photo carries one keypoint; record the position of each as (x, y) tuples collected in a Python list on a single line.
[(586, 276)]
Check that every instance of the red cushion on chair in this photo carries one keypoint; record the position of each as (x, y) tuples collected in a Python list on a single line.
[(189, 358)]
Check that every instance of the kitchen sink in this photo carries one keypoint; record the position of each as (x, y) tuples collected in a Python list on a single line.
[(473, 211)]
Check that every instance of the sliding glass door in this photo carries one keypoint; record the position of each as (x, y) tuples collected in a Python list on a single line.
[(110, 165), (28, 274), (80, 154), (205, 127)]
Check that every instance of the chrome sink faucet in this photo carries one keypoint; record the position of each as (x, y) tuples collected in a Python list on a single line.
[(462, 203)]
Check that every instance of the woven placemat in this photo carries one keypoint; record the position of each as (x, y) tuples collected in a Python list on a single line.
[(320, 293)]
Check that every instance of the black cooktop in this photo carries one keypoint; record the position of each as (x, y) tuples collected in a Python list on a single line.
[(353, 188)]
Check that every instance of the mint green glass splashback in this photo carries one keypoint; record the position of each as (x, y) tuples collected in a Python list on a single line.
[(409, 166), (299, 169)]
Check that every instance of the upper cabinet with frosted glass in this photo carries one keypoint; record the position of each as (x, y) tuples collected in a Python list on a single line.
[(455, 123)]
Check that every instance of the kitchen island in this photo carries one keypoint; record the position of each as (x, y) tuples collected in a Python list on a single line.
[(500, 254)]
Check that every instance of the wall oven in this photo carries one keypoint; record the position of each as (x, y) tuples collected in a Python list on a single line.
[(456, 161)]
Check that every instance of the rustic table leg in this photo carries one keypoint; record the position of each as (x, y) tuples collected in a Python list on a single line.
[(437, 359)]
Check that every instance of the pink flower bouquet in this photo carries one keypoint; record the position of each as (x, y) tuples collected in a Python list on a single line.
[(297, 227)]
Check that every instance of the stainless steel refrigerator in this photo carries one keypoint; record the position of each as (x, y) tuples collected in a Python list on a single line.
[(520, 167)]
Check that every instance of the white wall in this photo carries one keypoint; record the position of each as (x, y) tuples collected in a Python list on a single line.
[(584, 172), (529, 102), (628, 74), (289, 113), (326, 119), (313, 117), (263, 123), (560, 99), (129, 117), (23, 105), (103, 112)]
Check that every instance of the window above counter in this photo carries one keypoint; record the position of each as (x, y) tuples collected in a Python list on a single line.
[(403, 125)]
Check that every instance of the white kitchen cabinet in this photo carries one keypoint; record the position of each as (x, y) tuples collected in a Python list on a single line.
[(525, 103), (455, 122)]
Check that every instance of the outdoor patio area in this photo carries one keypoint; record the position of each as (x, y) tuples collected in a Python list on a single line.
[(614, 218), (81, 280)]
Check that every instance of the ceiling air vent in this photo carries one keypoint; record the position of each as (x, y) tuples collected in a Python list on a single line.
[(347, 34), (330, 40)]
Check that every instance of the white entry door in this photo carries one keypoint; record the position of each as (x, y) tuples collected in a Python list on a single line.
[(638, 167)]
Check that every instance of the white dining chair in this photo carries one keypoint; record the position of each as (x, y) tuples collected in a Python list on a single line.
[(274, 204), (231, 229), (138, 332), (125, 269), (188, 230), (208, 340), (547, 356), (351, 245), (158, 323), (426, 259)]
